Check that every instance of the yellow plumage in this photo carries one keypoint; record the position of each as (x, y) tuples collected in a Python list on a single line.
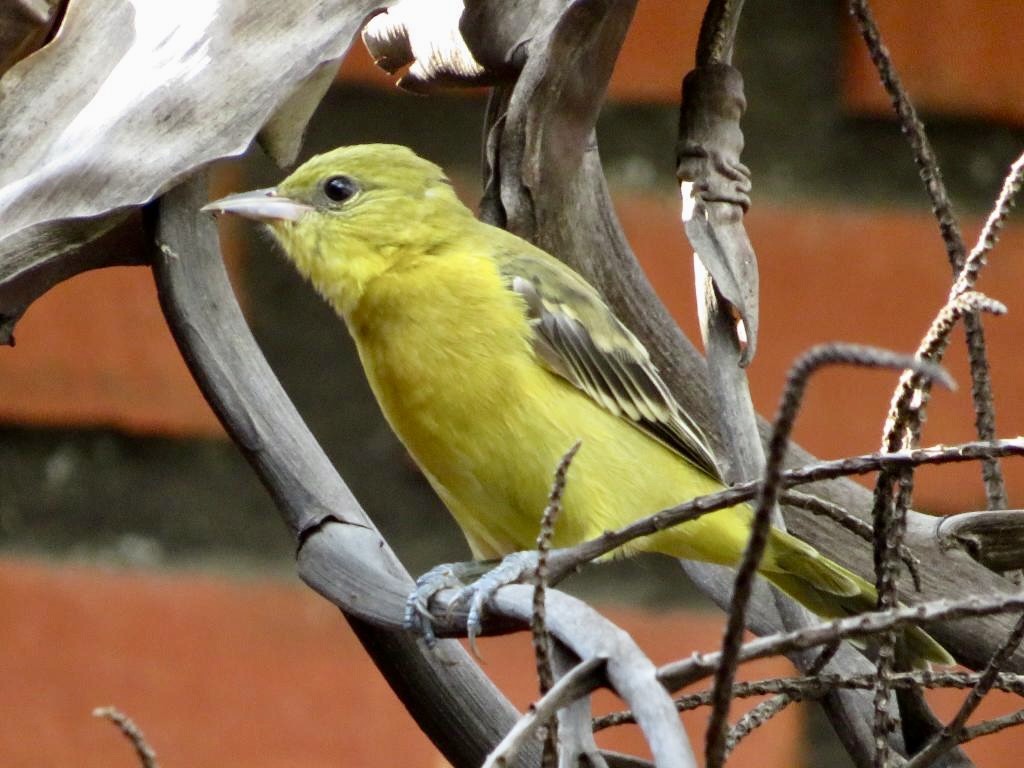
[(490, 359)]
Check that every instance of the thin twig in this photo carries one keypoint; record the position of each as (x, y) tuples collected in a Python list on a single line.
[(569, 687), (147, 757), (948, 737), (755, 718), (538, 626), (565, 561), (988, 727), (990, 232), (902, 408), (699, 666), (973, 450), (984, 410), (981, 384), (800, 373), (902, 430), (913, 129), (816, 686), (766, 710), (538, 621), (818, 506), (928, 167)]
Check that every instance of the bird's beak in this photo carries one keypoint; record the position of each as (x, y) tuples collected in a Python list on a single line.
[(260, 204)]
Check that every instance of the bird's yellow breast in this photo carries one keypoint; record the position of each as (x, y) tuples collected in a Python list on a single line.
[(447, 351)]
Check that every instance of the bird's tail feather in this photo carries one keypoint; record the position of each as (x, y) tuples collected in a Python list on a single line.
[(830, 590)]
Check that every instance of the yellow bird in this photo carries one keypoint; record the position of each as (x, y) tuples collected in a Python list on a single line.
[(490, 358)]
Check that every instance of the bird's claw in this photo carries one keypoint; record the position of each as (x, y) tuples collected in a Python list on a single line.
[(417, 606), (511, 570)]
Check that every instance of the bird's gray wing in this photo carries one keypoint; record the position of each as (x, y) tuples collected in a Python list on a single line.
[(576, 336)]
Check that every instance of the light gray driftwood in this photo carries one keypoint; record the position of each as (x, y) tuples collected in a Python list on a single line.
[(133, 95), (24, 25)]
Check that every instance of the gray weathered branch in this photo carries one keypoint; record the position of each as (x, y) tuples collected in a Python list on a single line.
[(131, 98), (994, 538)]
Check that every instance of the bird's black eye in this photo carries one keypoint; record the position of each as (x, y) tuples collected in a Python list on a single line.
[(340, 188)]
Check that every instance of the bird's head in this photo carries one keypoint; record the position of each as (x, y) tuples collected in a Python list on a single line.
[(347, 216)]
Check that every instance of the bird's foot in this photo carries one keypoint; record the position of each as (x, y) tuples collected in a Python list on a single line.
[(486, 577), (439, 578), (417, 605), (513, 569)]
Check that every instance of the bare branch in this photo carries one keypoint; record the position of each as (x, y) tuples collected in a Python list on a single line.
[(850, 523), (427, 37), (913, 129), (681, 673), (927, 163), (538, 628), (132, 732), (901, 412), (990, 232), (755, 718), (565, 561), (995, 538), (951, 733), (815, 686), (994, 725), (538, 621), (574, 684), (796, 383), (902, 429), (576, 745), (623, 667), (766, 710), (84, 145), (718, 32)]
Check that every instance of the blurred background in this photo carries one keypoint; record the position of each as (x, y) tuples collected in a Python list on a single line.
[(142, 564)]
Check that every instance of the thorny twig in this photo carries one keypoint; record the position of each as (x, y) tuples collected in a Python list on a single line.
[(964, 269), (147, 756), (800, 373), (903, 410), (928, 166), (902, 430), (766, 710), (948, 737), (903, 426), (913, 128), (678, 674), (890, 518), (852, 523), (816, 686), (988, 727), (565, 561), (990, 232), (981, 385), (755, 718), (538, 621)]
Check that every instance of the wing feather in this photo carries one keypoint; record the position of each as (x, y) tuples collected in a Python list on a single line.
[(576, 336)]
